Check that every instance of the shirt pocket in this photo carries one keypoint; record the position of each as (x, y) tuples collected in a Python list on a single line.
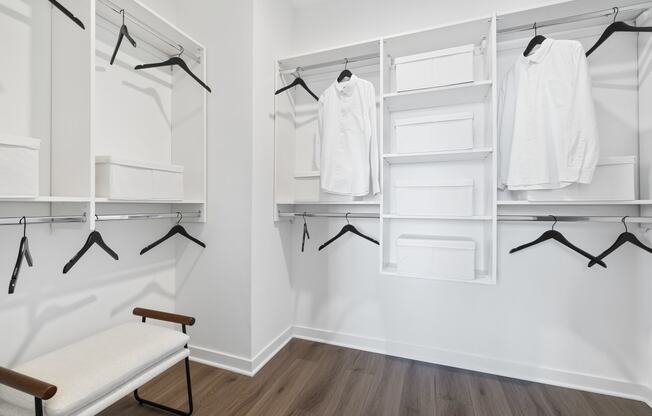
[(556, 93)]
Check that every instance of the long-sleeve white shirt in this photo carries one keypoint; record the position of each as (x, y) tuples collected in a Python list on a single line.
[(548, 128), (346, 148)]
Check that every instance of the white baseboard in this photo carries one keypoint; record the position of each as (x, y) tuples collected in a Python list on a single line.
[(483, 364), (272, 349), (480, 363), (237, 364), (218, 359)]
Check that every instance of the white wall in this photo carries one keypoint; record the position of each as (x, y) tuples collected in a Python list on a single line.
[(272, 296), (216, 286)]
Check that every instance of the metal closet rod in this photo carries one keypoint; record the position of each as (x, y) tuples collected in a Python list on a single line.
[(351, 215), (501, 218), (125, 217), (117, 9), (110, 217), (343, 61), (577, 18)]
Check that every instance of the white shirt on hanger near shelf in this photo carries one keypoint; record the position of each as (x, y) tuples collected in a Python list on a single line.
[(346, 148), (548, 128)]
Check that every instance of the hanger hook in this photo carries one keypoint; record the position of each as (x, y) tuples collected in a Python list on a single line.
[(347, 217), (181, 50), (624, 223), (616, 11), (24, 222), (535, 29), (555, 223), (346, 63), (180, 216), (304, 218), (122, 12)]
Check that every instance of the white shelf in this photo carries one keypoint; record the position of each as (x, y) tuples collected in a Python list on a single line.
[(372, 203), (146, 201), (481, 278), (480, 153), (69, 199), (438, 217), (307, 174), (436, 97), (573, 203)]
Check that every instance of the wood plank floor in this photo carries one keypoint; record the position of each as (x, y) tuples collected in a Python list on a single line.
[(308, 378)]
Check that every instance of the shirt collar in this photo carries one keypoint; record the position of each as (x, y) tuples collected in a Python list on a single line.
[(346, 87), (540, 54)]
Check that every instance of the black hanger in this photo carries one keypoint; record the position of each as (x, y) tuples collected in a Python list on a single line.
[(536, 40), (67, 12), (93, 238), (616, 27), (623, 238), (346, 73), (23, 252), (305, 233), (175, 60), (552, 234), (300, 82), (124, 32), (346, 229), (177, 229)]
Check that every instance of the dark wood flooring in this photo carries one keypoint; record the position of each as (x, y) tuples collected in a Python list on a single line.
[(308, 378)]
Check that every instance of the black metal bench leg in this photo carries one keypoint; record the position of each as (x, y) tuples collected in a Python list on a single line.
[(38, 406), (142, 401)]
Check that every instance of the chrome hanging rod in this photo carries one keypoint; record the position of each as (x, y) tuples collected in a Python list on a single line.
[(117, 9), (125, 217), (351, 215), (344, 61), (567, 218), (43, 220), (577, 18), (501, 218)]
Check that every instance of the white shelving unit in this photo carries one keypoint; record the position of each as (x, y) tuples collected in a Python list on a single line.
[(297, 180), (86, 107), (477, 163)]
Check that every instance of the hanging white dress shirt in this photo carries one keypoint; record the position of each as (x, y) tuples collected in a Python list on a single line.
[(548, 129), (346, 148)]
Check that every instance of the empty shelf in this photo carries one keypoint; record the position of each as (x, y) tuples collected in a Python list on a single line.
[(436, 97)]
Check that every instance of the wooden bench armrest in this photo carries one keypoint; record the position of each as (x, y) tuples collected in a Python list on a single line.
[(26, 384), (165, 316)]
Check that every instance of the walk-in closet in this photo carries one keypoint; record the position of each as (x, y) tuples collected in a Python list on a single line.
[(326, 207)]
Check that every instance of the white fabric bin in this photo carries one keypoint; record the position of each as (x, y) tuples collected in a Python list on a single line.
[(452, 198), (614, 180), (19, 167), (123, 179), (435, 69), (436, 257), (437, 133)]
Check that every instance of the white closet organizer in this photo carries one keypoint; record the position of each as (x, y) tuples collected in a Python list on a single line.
[(437, 143), (439, 133), (62, 90), (438, 149)]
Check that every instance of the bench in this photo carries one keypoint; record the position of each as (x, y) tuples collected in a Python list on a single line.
[(88, 376)]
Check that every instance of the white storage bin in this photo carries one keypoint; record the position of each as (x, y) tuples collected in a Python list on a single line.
[(614, 180), (436, 257), (435, 69), (434, 133), (124, 179), (19, 167), (452, 198)]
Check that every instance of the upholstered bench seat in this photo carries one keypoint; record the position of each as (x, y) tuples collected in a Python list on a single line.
[(94, 373)]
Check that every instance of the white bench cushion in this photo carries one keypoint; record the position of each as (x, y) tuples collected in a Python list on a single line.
[(90, 369)]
